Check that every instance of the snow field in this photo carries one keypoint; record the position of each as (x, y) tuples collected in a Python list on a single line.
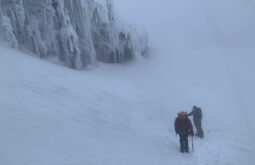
[(118, 114), (124, 114)]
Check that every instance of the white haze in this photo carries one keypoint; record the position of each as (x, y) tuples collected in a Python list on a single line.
[(187, 34), (202, 53), (186, 23)]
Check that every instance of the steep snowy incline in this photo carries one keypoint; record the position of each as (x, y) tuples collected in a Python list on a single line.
[(121, 115), (52, 115)]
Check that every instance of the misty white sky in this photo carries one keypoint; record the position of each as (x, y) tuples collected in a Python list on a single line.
[(193, 22)]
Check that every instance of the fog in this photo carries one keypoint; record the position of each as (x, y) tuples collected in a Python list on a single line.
[(202, 53), (202, 49), (193, 23)]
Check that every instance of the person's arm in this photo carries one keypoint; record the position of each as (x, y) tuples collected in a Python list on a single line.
[(190, 114)]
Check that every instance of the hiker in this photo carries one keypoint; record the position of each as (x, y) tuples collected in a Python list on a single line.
[(184, 128), (197, 117)]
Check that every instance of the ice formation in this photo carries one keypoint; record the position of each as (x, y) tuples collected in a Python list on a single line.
[(78, 32)]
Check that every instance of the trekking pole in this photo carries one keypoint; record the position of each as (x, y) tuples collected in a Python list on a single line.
[(192, 144)]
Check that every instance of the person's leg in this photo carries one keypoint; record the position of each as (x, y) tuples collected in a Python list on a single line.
[(200, 132), (186, 143), (182, 145), (196, 124)]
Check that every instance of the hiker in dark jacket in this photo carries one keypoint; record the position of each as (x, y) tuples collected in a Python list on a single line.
[(197, 117), (184, 128)]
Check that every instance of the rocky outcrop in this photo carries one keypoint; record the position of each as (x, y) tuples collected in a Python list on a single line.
[(78, 32)]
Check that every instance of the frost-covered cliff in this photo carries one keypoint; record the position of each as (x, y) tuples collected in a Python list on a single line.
[(78, 32)]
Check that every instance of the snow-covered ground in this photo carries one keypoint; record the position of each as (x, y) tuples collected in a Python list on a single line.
[(124, 114)]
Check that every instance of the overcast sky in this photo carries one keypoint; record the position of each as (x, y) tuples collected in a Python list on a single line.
[(193, 22)]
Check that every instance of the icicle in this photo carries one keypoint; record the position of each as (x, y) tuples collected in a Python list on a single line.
[(79, 32)]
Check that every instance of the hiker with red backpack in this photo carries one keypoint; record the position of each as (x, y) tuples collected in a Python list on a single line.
[(184, 128)]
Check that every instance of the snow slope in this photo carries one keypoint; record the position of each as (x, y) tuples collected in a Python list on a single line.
[(118, 115), (124, 114)]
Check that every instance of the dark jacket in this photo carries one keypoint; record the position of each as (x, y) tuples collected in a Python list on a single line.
[(183, 126), (197, 114)]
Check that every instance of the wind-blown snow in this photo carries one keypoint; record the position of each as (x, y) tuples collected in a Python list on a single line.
[(124, 114)]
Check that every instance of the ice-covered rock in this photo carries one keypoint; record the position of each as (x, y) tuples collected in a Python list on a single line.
[(78, 32), (6, 31)]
